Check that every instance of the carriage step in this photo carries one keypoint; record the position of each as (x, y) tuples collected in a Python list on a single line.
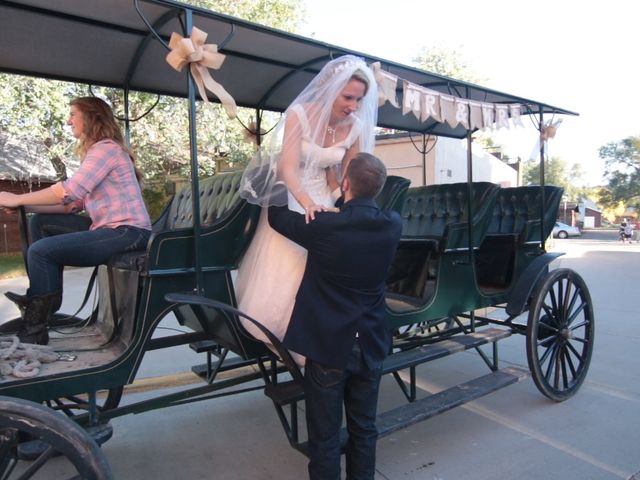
[(415, 356), (412, 413), (440, 402), (284, 393), (202, 369), (204, 346)]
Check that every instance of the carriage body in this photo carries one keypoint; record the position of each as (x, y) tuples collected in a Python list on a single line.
[(464, 246)]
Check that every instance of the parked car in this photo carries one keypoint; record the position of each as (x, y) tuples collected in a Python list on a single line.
[(562, 230)]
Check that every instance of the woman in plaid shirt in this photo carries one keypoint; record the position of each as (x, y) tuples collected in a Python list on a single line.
[(106, 187)]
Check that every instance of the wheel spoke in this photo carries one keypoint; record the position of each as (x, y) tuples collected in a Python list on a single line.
[(547, 352), (574, 298), (554, 303), (563, 365), (551, 353), (573, 349), (552, 366), (551, 316), (548, 327), (7, 452), (575, 314), (566, 302), (38, 463), (567, 355), (585, 323), (560, 297)]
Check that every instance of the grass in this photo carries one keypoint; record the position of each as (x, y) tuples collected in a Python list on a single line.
[(11, 265)]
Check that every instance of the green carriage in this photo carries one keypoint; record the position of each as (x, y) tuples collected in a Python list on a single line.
[(465, 246)]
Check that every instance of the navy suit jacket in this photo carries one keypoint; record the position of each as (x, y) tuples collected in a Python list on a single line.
[(342, 290)]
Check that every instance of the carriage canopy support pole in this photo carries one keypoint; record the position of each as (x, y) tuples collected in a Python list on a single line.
[(424, 158), (542, 199), (193, 146), (470, 192)]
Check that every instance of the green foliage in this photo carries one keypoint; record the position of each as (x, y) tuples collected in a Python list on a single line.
[(282, 14), (622, 170), (556, 172), (155, 199), (449, 63), (38, 109), (11, 265)]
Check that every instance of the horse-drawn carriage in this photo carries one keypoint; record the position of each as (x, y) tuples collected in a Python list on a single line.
[(465, 246)]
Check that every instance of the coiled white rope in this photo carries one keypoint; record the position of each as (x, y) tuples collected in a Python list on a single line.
[(23, 360)]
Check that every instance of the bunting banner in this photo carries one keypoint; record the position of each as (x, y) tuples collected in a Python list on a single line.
[(386, 86), (424, 104)]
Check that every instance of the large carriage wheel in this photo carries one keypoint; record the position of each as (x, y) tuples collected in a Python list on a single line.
[(18, 417), (560, 334)]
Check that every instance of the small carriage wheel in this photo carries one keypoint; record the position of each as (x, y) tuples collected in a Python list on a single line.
[(61, 435), (560, 334)]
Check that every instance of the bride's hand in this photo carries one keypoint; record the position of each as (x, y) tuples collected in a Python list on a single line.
[(311, 210)]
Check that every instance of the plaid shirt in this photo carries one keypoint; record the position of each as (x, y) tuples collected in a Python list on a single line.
[(105, 186)]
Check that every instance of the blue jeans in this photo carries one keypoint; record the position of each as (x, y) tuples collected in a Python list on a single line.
[(43, 225), (48, 256), (326, 391)]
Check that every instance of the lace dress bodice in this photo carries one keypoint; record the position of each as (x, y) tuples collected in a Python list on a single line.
[(314, 181)]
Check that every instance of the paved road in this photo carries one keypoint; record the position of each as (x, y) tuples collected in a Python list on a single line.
[(512, 433)]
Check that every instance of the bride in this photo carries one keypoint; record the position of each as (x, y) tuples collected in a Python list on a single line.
[(324, 127)]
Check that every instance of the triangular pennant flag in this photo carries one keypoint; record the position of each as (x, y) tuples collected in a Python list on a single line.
[(412, 99), (462, 112), (448, 110), (386, 85)]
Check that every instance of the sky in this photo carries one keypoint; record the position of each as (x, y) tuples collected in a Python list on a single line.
[(576, 55)]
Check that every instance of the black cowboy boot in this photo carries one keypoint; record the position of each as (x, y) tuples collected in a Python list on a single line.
[(36, 314), (21, 301)]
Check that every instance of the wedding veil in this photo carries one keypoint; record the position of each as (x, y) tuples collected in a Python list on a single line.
[(260, 183)]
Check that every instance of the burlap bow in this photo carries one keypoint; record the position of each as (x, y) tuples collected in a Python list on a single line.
[(193, 51)]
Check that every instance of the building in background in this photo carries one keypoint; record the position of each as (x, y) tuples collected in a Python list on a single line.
[(429, 160), (24, 167)]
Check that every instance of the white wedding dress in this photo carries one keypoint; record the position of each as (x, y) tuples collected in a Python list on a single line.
[(271, 270)]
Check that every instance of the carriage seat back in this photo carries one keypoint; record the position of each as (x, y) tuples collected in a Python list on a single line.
[(393, 193), (439, 214), (517, 212), (218, 194), (515, 225)]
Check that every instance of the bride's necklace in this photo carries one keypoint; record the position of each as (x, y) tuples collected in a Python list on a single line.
[(332, 131)]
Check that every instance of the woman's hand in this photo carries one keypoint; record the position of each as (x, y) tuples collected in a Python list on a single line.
[(311, 210), (9, 200)]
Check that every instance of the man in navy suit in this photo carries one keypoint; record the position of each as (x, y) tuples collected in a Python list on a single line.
[(338, 321)]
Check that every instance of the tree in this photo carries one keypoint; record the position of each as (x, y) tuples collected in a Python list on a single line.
[(622, 170), (37, 109), (282, 14), (556, 172), (449, 63)]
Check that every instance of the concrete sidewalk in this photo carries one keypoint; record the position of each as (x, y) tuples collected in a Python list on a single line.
[(512, 433)]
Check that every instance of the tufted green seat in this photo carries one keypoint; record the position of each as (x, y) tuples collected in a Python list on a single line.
[(517, 212), (219, 198), (435, 222), (515, 225), (217, 195), (393, 192), (437, 215)]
